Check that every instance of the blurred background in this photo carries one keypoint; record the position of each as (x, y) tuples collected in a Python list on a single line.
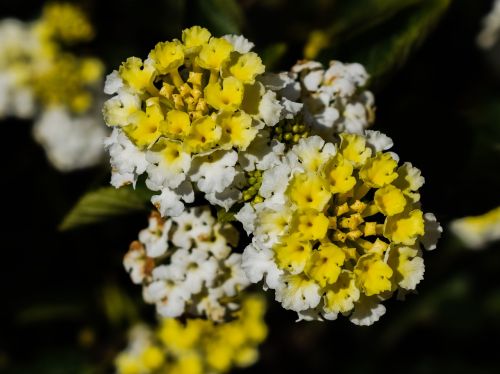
[(66, 300)]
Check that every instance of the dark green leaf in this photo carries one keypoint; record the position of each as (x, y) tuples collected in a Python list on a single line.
[(272, 55), (356, 16), (392, 51), (222, 16), (105, 203)]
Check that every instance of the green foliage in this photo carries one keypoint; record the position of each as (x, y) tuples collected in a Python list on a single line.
[(105, 203), (222, 16), (272, 55), (357, 16), (391, 51)]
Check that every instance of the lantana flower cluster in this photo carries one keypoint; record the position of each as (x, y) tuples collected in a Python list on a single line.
[(41, 79), (186, 265), (196, 346), (323, 101), (334, 220), (183, 114), (339, 229)]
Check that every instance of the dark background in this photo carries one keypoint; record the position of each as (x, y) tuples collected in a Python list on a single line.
[(66, 301)]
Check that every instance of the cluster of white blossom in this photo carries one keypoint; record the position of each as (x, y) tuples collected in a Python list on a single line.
[(41, 79), (186, 265), (327, 101)]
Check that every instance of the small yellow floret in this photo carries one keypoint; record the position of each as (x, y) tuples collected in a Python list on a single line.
[(195, 36), (325, 264), (390, 200), (167, 56), (176, 125), (310, 224), (228, 97), (247, 67), (137, 75), (353, 148), (338, 172), (373, 274), (237, 130), (379, 171), (292, 253), (204, 135), (214, 53), (308, 191), (404, 228), (144, 128), (341, 296)]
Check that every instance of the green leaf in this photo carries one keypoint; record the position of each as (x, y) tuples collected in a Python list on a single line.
[(356, 16), (105, 203), (222, 16), (272, 55), (391, 52)]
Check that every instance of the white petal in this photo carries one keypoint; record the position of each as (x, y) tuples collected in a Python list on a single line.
[(270, 108), (168, 203), (433, 231), (258, 265), (113, 83), (239, 43), (127, 161), (367, 311), (378, 141), (215, 172), (247, 216)]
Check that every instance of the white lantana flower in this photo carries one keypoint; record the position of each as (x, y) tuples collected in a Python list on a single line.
[(70, 141), (185, 264), (319, 101), (127, 162)]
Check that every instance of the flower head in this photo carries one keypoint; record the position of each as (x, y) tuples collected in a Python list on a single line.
[(196, 346), (340, 228), (190, 106), (321, 101), (185, 265)]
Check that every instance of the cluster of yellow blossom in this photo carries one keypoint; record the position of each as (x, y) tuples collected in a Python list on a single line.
[(199, 94), (36, 61), (185, 114), (341, 228), (197, 346)]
